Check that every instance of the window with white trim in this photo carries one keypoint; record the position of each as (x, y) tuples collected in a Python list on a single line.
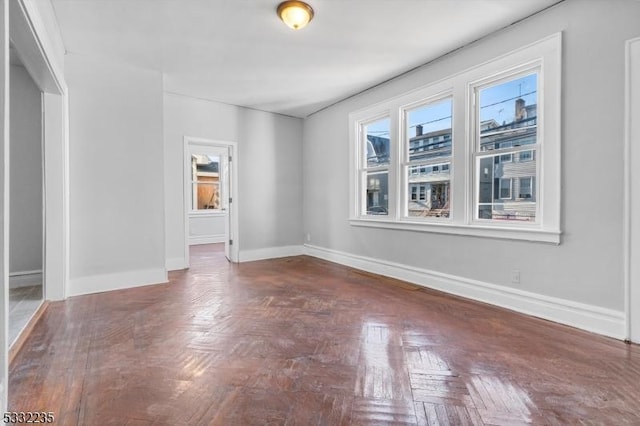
[(205, 182), (374, 166), (507, 126), (477, 153), (427, 126)]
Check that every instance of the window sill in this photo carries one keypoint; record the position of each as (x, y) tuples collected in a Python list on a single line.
[(208, 213), (472, 230)]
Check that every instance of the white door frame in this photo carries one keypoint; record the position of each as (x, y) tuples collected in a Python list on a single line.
[(4, 199), (631, 223), (232, 183), (23, 24)]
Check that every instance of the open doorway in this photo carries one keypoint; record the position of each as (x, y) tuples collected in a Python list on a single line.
[(209, 195), (26, 193), (20, 20)]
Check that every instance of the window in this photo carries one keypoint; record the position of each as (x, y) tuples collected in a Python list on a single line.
[(205, 182), (497, 134), (506, 158), (465, 155), (505, 188), (375, 165), (525, 190), (526, 156), (429, 122)]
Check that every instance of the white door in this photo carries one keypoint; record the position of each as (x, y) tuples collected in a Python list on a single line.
[(633, 187)]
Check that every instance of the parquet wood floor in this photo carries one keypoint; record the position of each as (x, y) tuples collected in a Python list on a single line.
[(300, 341)]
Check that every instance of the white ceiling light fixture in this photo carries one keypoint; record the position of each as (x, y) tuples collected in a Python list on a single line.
[(296, 14)]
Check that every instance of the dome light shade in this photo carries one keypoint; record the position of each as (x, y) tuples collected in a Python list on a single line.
[(296, 14)]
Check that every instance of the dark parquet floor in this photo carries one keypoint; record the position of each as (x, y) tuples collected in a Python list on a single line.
[(300, 341)]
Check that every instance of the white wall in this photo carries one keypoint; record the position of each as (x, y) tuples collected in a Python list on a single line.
[(25, 232), (116, 177), (270, 171), (587, 266), (207, 229)]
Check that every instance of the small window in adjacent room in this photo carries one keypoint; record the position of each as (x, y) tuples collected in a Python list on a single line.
[(205, 182)]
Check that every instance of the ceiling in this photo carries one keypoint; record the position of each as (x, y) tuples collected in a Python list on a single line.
[(239, 52)]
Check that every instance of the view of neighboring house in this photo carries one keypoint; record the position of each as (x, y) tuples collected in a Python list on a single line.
[(429, 184), (507, 182), (377, 183)]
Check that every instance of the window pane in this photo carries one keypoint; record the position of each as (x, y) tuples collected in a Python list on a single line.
[(377, 143), (506, 190), (429, 131), (509, 113), (208, 194), (526, 187), (377, 192), (205, 175), (429, 190)]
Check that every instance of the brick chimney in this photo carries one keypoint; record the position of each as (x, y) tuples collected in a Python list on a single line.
[(419, 130)]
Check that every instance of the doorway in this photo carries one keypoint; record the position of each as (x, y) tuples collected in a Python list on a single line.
[(210, 200), (26, 194), (18, 17)]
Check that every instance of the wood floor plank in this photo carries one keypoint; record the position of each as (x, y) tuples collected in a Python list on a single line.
[(302, 341)]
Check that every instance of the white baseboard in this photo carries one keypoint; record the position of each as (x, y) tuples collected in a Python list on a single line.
[(269, 253), (591, 318), (175, 264), (25, 278), (195, 240), (108, 282)]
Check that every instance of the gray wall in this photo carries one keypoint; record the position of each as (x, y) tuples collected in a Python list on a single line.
[(26, 229), (269, 170), (116, 176), (587, 266)]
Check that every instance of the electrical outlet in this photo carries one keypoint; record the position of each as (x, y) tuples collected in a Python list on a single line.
[(515, 276), (308, 237)]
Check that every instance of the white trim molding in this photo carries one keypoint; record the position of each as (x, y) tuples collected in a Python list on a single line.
[(175, 264), (119, 281), (195, 240), (25, 279), (591, 318), (270, 253), (631, 210)]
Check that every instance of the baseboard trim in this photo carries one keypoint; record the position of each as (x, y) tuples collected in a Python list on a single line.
[(175, 264), (269, 253), (26, 331), (195, 240), (119, 281), (25, 278), (591, 318)]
